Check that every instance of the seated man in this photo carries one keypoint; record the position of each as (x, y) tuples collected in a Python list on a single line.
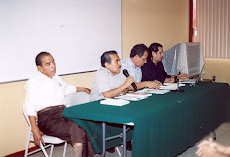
[(133, 64), (154, 69), (109, 81), (208, 148), (45, 100)]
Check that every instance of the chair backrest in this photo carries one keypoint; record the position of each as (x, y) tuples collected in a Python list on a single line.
[(77, 98), (25, 115)]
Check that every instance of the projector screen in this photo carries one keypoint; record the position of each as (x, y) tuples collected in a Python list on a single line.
[(75, 32)]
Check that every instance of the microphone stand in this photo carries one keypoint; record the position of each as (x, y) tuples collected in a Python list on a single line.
[(177, 90)]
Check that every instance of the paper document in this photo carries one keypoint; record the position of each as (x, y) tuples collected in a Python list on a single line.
[(139, 94), (134, 96), (171, 86), (114, 102), (128, 97), (153, 91)]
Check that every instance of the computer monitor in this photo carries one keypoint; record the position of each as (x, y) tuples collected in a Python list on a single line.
[(184, 58)]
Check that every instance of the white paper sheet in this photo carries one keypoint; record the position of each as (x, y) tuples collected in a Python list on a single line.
[(114, 102), (130, 98), (153, 91), (171, 86)]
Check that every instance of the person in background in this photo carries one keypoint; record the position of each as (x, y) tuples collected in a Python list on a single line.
[(154, 69), (209, 148), (133, 64), (44, 103)]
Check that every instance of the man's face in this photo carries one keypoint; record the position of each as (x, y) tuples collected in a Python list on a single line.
[(115, 65), (140, 61), (48, 67), (157, 57)]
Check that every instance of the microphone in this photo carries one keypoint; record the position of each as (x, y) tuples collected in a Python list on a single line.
[(125, 72), (177, 81), (177, 90)]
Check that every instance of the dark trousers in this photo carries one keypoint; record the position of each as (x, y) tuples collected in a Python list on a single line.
[(52, 123)]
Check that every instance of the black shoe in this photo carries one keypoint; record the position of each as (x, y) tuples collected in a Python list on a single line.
[(129, 145), (111, 150)]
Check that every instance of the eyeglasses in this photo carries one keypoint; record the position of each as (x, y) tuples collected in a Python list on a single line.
[(144, 59)]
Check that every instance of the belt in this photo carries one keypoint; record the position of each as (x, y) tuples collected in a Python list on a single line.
[(51, 108)]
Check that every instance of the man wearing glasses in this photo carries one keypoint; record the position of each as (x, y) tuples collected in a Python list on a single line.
[(138, 57)]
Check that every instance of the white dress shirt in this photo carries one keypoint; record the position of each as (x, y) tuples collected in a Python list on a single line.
[(42, 92), (104, 81)]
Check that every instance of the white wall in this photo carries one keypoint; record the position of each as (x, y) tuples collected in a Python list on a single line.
[(75, 32)]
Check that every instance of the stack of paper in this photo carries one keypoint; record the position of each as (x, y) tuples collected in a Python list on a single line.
[(153, 91), (171, 86), (134, 96), (129, 97), (139, 95), (114, 102)]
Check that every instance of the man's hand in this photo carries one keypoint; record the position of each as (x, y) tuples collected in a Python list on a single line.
[(129, 81), (153, 84), (182, 77), (158, 82), (169, 80), (87, 90), (209, 148), (123, 89), (83, 89), (37, 134)]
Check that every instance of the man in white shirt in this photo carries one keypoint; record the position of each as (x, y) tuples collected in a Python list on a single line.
[(109, 81), (44, 103), (138, 57)]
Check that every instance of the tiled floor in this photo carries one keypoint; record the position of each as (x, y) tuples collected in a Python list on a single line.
[(222, 134)]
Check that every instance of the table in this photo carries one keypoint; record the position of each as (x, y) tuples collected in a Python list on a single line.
[(165, 125)]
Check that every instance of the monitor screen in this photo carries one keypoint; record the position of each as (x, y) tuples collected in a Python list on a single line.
[(184, 58)]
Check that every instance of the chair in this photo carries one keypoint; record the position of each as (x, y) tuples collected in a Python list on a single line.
[(50, 140), (77, 98)]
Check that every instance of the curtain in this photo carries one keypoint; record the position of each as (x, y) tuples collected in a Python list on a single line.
[(213, 28)]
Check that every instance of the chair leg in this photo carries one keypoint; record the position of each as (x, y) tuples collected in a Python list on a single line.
[(43, 149), (27, 145), (51, 150), (118, 151), (65, 146)]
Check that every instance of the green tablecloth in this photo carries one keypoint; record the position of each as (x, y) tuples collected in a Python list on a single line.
[(165, 125)]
